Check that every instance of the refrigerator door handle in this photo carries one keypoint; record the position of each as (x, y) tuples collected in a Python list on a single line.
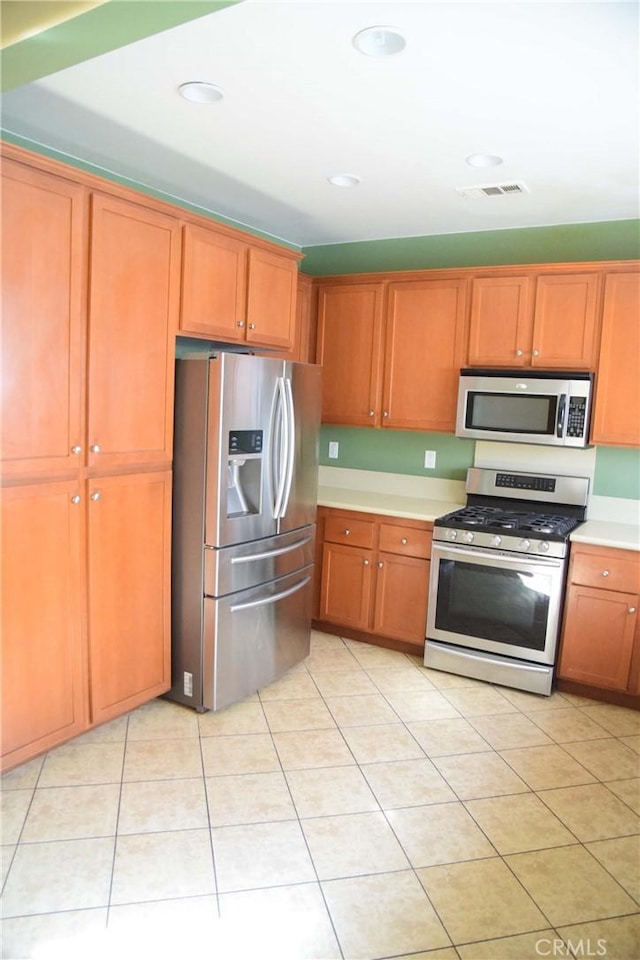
[(263, 601), (290, 449), (272, 553), (279, 444)]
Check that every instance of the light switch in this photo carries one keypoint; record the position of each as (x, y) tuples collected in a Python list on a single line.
[(333, 449), (430, 459)]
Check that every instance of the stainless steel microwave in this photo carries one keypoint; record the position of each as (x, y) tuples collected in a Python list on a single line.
[(549, 407)]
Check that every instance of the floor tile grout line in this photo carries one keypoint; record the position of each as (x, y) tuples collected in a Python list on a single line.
[(209, 824), (115, 835)]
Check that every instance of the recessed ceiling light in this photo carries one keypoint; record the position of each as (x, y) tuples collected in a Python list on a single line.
[(199, 92), (344, 180), (483, 160), (379, 41)]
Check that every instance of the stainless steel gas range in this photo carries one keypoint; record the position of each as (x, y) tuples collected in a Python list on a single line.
[(498, 572)]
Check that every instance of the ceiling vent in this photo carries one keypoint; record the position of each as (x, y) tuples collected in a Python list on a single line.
[(492, 190)]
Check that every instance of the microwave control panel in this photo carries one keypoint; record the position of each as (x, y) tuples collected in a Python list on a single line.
[(577, 417)]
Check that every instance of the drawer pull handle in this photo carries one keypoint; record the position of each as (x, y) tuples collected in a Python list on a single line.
[(347, 533), (632, 609), (605, 573), (404, 541)]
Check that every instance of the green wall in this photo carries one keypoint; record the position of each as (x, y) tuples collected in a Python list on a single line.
[(610, 240), (397, 451), (617, 473)]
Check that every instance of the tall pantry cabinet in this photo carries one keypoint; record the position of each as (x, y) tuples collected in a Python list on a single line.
[(90, 288)]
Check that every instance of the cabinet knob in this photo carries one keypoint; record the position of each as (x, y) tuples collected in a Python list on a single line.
[(385, 413), (76, 449), (371, 413), (536, 353), (95, 448), (519, 353), (346, 532), (75, 498), (380, 564), (366, 563), (605, 573), (632, 609), (95, 495), (252, 326), (404, 541), (240, 323)]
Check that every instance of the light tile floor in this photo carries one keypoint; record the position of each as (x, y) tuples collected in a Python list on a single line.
[(362, 807)]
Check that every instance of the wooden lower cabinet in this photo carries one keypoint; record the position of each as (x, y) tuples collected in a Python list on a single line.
[(44, 678), (375, 576), (600, 645), (73, 658), (129, 542)]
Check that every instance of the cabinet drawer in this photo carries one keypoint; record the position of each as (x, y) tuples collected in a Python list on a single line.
[(357, 533), (405, 540), (607, 571)]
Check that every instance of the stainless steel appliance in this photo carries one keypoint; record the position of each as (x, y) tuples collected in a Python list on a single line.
[(547, 407), (244, 504), (498, 570)]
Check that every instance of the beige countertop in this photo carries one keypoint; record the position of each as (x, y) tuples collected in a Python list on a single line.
[(605, 533), (386, 504)]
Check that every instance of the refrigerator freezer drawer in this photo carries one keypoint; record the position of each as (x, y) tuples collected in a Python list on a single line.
[(252, 637), (244, 565)]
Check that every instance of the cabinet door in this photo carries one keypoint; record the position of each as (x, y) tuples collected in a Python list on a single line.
[(214, 275), (133, 313), (129, 534), (43, 667), (500, 327), (346, 585), (271, 300), (424, 350), (617, 407), (565, 321), (350, 351), (401, 597), (598, 637), (43, 277)]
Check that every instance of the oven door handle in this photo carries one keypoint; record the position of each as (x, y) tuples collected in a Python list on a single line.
[(493, 556)]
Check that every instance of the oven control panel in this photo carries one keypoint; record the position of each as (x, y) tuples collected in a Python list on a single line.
[(521, 481)]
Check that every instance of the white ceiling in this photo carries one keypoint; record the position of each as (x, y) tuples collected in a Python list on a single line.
[(552, 88)]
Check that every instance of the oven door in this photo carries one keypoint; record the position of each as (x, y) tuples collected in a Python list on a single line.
[(502, 603)]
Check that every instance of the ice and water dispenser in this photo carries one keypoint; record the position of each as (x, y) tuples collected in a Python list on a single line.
[(244, 472)]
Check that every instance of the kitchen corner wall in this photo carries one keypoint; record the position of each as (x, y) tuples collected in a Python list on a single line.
[(617, 470)]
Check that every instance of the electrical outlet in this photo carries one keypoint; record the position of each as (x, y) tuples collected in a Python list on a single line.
[(334, 446), (430, 459)]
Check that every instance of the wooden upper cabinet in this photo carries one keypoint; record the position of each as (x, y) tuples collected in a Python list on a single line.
[(133, 318), (271, 300), (350, 350), (565, 322), (234, 291), (423, 352), (213, 284), (43, 282), (546, 321), (617, 406), (500, 328)]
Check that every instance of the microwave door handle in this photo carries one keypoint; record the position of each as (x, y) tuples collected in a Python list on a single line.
[(562, 415)]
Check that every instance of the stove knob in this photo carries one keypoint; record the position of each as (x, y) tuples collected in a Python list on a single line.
[(468, 537), (543, 546), (496, 541), (524, 544), (451, 534)]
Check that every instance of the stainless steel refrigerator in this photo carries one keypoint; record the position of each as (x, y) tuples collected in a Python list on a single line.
[(244, 506)]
